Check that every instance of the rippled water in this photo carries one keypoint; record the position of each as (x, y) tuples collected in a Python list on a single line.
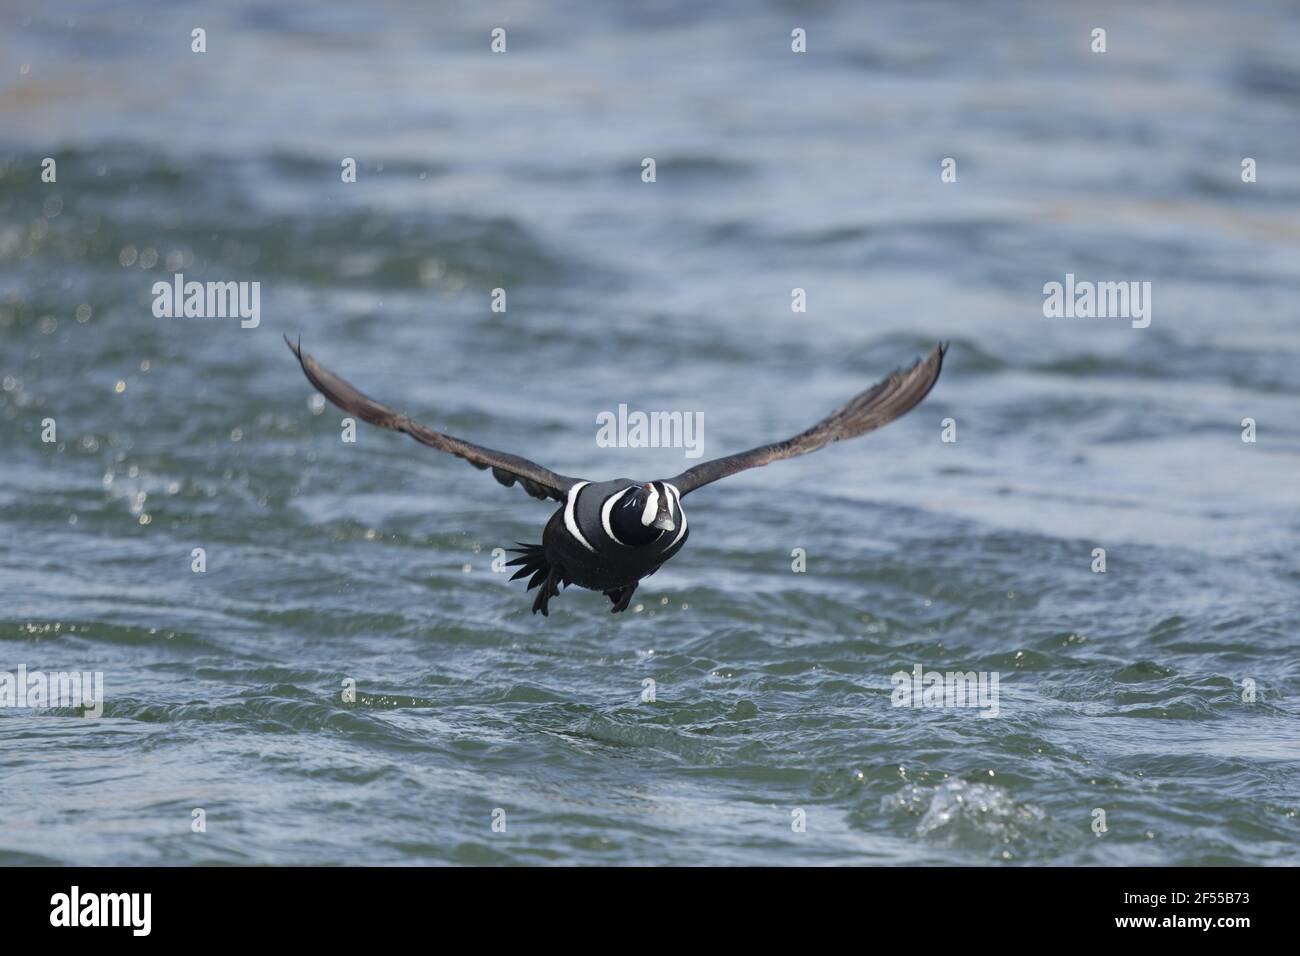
[(372, 562)]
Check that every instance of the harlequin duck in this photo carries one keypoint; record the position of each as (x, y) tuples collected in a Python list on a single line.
[(607, 536)]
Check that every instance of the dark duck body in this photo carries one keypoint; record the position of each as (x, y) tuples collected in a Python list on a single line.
[(607, 536)]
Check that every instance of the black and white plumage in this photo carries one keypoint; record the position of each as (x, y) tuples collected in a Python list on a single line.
[(606, 536)]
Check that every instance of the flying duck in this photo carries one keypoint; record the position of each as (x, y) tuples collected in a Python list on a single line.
[(608, 535)]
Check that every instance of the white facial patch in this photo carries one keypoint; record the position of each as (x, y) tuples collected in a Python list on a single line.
[(651, 507)]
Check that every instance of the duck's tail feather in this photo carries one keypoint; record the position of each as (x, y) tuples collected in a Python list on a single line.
[(532, 560)]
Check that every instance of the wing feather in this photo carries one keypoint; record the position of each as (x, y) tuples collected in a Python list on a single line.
[(507, 469), (865, 412)]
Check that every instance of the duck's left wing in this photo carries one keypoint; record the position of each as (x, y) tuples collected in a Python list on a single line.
[(506, 468), (878, 405)]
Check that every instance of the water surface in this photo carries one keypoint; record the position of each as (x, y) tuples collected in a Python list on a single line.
[(372, 562)]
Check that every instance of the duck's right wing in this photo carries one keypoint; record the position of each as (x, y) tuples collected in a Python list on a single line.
[(507, 469)]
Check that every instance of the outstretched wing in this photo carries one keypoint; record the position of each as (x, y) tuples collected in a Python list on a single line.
[(878, 405), (507, 469)]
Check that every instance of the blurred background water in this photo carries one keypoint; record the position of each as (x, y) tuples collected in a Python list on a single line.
[(325, 561)]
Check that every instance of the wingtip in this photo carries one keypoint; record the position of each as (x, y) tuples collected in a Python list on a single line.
[(933, 357), (936, 357), (299, 354), (939, 354)]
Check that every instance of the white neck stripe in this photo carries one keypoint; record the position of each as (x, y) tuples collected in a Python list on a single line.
[(569, 522), (605, 512)]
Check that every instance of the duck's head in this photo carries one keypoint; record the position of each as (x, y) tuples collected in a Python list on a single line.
[(641, 513)]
